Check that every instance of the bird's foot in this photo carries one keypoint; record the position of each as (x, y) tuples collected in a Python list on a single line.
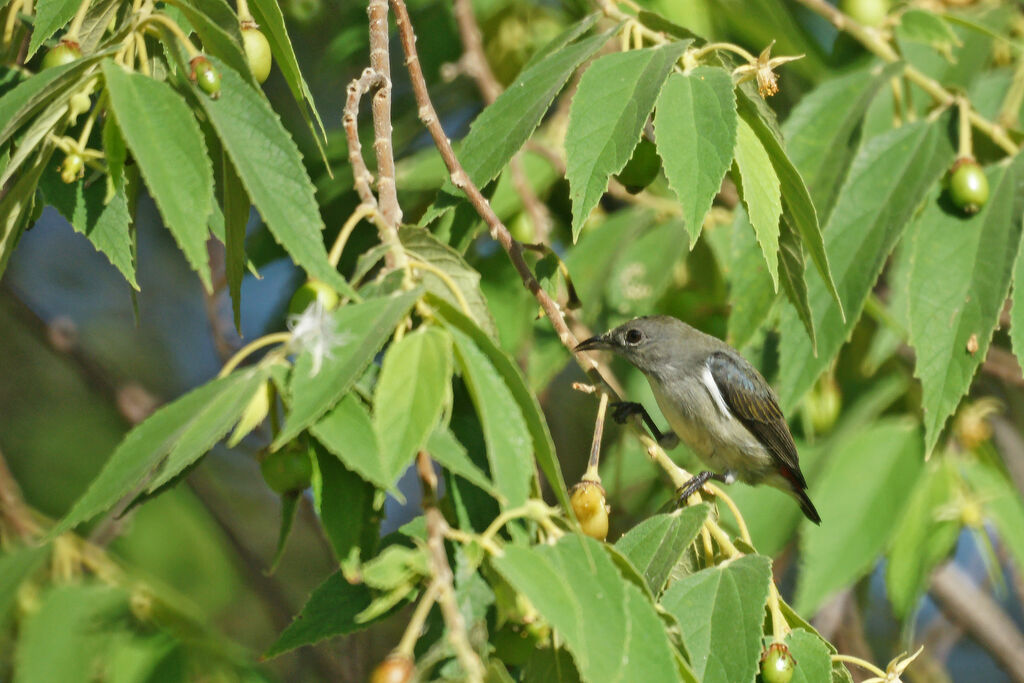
[(697, 482), (623, 410)]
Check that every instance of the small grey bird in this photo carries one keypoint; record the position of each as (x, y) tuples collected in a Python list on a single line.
[(716, 402)]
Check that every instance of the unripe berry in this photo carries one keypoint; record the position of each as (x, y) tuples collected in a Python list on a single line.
[(65, 52), (73, 168), (588, 503), (777, 664), (257, 51), (396, 668), (968, 185), (205, 75)]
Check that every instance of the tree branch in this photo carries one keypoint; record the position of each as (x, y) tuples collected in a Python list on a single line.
[(442, 573), (981, 617)]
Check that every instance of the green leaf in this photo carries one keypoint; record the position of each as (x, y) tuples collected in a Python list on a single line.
[(794, 283), (695, 125), (363, 329), (23, 101), (608, 112), (959, 280), (236, 218), (1001, 502), (450, 454), (542, 447), (268, 15), (16, 565), (924, 537), (421, 244), (501, 129), (62, 638), (16, 204), (346, 509), (643, 269), (761, 195), (271, 170), (616, 637), (820, 132), (168, 441), (50, 17), (107, 227), (813, 658), (751, 295), (655, 545), (289, 506), (509, 443), (162, 133), (412, 390), (720, 612), (330, 611), (347, 432), (797, 207), (884, 459), (889, 178), (921, 26)]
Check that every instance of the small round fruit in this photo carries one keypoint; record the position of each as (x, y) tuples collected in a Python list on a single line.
[(257, 51), (206, 76), (642, 168), (777, 664), (288, 470), (65, 52), (824, 404), (310, 291), (588, 503), (867, 12), (73, 168), (968, 186), (396, 668)]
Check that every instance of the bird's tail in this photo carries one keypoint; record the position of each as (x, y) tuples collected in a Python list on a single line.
[(806, 505)]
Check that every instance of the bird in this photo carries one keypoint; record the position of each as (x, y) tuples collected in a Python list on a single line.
[(715, 402)]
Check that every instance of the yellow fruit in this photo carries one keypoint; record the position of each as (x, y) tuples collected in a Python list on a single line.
[(588, 503)]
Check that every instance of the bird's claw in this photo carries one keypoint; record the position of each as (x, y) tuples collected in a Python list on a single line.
[(623, 410)]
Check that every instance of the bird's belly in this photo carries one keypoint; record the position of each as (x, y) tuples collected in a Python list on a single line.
[(720, 441)]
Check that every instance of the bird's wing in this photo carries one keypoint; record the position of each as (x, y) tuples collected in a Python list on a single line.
[(752, 402)]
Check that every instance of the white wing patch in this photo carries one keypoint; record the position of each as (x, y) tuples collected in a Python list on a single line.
[(716, 395)]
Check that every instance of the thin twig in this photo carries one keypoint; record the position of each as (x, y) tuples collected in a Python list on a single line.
[(349, 120), (442, 573), (380, 62)]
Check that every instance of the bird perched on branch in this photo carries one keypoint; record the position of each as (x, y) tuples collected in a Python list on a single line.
[(716, 402)]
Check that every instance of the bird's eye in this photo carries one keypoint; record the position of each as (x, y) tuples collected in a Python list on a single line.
[(634, 336)]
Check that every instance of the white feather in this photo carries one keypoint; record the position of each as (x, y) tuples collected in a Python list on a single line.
[(716, 395)]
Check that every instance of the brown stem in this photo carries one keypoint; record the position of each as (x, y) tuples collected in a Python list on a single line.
[(349, 120), (380, 62), (442, 572), (980, 616)]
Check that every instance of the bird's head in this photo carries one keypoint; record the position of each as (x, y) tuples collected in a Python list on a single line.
[(649, 343)]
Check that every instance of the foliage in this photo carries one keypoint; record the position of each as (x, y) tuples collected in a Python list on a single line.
[(822, 218)]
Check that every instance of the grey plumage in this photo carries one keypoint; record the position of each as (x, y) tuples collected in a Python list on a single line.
[(716, 402)]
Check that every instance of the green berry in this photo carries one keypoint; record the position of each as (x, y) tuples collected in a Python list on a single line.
[(777, 664), (968, 186), (65, 52), (73, 168), (310, 291), (206, 76), (257, 51), (867, 12), (642, 168), (289, 469)]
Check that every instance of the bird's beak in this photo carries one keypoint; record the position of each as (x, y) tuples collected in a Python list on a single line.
[(598, 343)]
